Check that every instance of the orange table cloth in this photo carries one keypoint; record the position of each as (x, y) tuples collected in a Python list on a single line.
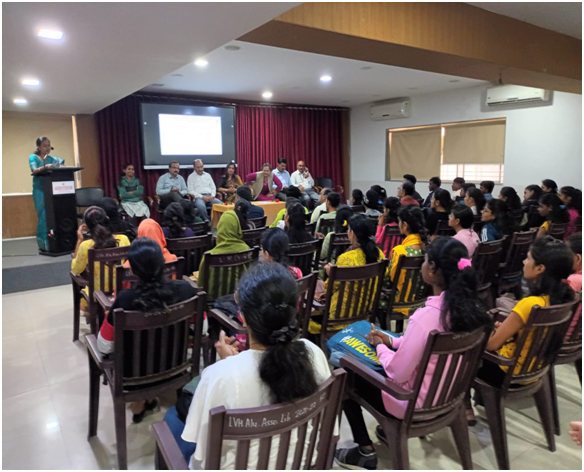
[(271, 210)]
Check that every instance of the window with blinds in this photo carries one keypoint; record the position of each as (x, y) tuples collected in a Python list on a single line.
[(474, 150)]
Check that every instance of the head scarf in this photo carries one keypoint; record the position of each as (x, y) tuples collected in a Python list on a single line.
[(151, 229)]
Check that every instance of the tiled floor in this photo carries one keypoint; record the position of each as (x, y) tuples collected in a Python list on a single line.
[(45, 406)]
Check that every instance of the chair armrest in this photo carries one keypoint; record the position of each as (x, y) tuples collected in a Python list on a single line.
[(77, 279), (104, 301), (378, 380), (167, 447), (226, 321), (499, 314), (98, 357), (193, 283), (317, 305), (497, 359), (150, 200)]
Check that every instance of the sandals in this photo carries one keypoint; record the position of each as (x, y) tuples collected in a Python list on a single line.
[(149, 406)]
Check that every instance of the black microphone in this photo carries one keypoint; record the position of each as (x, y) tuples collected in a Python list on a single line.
[(52, 149)]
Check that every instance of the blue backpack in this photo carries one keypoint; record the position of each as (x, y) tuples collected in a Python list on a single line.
[(351, 341)]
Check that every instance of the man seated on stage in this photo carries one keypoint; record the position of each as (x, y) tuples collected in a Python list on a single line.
[(243, 192), (284, 177), (302, 179), (171, 187), (202, 189)]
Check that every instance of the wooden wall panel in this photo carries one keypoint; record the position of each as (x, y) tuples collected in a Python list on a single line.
[(19, 218), (88, 142)]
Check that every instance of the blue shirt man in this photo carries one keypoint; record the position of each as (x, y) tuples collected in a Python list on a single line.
[(171, 187), (284, 177)]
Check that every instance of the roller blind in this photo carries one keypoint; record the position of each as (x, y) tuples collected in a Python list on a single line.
[(474, 143), (415, 151)]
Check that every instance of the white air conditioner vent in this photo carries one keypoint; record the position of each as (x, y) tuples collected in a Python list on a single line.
[(507, 94), (391, 111)]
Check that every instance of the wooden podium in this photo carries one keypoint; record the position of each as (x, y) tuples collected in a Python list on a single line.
[(60, 209)]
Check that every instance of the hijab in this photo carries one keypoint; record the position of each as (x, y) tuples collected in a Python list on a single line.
[(229, 235), (151, 229)]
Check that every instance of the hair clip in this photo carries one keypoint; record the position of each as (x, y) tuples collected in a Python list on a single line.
[(562, 207), (464, 263)]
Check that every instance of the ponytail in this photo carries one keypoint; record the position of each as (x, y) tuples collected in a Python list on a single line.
[(504, 221), (392, 205), (575, 196), (174, 219), (99, 228), (558, 213), (241, 209), (414, 217), (364, 231), (442, 196)]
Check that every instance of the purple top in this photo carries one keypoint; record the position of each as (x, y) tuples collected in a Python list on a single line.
[(187, 233), (265, 192)]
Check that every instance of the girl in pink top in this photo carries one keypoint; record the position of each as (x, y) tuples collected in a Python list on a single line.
[(461, 220), (454, 307), (574, 242), (572, 199), (389, 218)]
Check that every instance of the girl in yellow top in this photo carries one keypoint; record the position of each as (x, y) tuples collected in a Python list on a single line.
[(553, 210), (363, 251), (97, 223), (547, 266)]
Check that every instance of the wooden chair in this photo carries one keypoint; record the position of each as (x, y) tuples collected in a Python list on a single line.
[(362, 285), (357, 209), (457, 359), (326, 226), (374, 219), (578, 224), (320, 411), (305, 256), (253, 237), (412, 295), (338, 244), (390, 239), (191, 249), (534, 219), (201, 228), (106, 259), (518, 215), (478, 224), (151, 358), (511, 271), (258, 222), (547, 326), (311, 228), (442, 229), (485, 262), (557, 230)]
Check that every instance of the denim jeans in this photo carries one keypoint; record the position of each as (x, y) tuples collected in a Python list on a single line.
[(204, 208), (176, 427)]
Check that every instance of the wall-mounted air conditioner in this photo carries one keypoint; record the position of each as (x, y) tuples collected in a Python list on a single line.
[(391, 111), (507, 94)]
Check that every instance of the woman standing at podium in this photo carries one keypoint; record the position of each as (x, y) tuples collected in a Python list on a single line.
[(39, 161)]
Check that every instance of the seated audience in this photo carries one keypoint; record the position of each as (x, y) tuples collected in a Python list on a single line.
[(461, 220), (322, 207), (284, 177), (295, 223), (190, 217), (96, 222), (278, 367), (463, 191), (549, 262), (510, 197), (241, 209), (531, 196), (173, 222), (498, 219), (549, 186), (457, 184), (572, 199), (391, 205), (275, 244), (279, 221), (357, 197), (151, 229), (265, 184), (475, 200), (439, 210), (381, 193), (342, 217), (171, 187), (371, 203), (333, 200), (151, 295), (453, 307), (363, 251), (244, 193), (574, 242), (412, 179), (131, 190), (116, 223), (487, 187), (406, 194), (202, 190), (433, 184), (553, 210), (229, 183)]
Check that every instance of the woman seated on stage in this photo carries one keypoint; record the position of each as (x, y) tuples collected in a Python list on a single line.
[(229, 183), (173, 222), (262, 184), (96, 222), (152, 294), (131, 191)]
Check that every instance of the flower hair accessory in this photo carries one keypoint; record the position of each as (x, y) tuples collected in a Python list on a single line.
[(284, 334), (563, 207), (464, 263)]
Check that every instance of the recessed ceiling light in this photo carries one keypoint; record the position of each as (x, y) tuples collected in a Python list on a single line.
[(267, 94), (366, 68), (157, 85), (454, 81), (201, 62), (20, 101), (50, 34), (232, 47), (326, 78), (177, 75), (31, 82)]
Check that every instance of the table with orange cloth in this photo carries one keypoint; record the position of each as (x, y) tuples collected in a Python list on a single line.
[(271, 210)]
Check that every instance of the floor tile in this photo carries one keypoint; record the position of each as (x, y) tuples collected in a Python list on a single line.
[(22, 376), (13, 307), (19, 348), (43, 450), (66, 365), (16, 326), (58, 339)]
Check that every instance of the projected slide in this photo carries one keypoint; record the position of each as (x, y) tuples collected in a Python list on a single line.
[(190, 135)]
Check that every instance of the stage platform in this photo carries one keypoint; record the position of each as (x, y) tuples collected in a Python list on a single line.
[(23, 268)]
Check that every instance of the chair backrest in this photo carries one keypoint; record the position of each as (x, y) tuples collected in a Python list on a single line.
[(442, 229), (191, 249), (391, 238), (323, 182), (311, 229), (545, 328), (558, 230), (223, 271), (306, 289), (573, 338), (485, 262), (305, 256), (457, 357), (338, 244), (578, 224), (518, 215), (357, 289), (258, 222), (413, 292), (534, 219), (253, 237), (152, 349), (313, 418), (106, 260), (203, 227), (478, 224), (173, 270), (326, 226), (518, 249), (88, 196), (357, 209), (373, 218)]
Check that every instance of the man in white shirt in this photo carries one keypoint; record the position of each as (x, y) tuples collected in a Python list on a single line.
[(302, 179), (202, 188)]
